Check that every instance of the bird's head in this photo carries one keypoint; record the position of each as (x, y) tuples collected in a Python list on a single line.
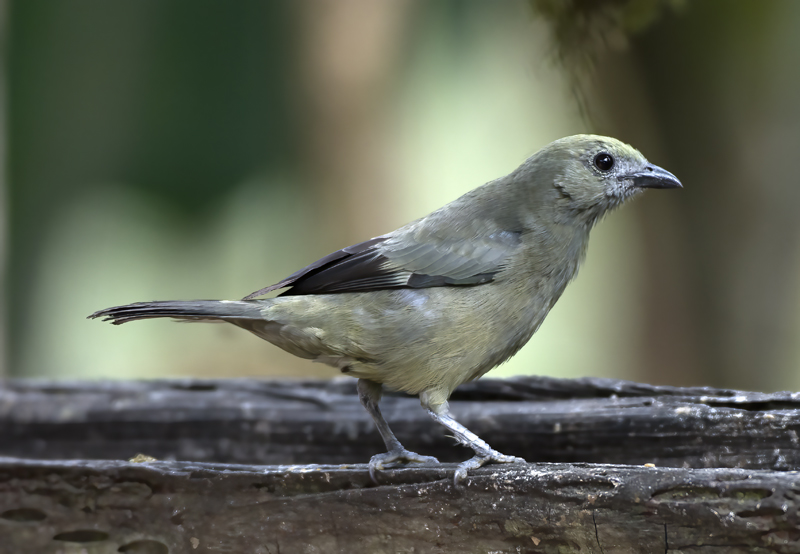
[(589, 175)]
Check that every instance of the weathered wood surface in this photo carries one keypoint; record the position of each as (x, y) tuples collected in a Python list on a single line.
[(99, 507), (705, 502), (302, 422), (183, 507)]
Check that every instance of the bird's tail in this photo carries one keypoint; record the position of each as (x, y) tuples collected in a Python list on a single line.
[(226, 310)]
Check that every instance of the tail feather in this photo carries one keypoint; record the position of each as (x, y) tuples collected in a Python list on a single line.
[(191, 310)]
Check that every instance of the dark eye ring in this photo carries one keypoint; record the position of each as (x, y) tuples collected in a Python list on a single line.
[(603, 161)]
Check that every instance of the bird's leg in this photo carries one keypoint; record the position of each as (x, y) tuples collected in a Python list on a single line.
[(370, 392), (484, 454)]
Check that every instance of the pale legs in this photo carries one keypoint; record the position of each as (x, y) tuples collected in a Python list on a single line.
[(370, 393)]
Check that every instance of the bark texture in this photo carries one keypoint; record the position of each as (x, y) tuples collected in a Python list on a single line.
[(63, 488)]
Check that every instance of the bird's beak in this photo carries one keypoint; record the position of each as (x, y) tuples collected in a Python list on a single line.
[(653, 177)]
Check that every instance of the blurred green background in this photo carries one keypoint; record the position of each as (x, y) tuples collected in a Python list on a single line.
[(180, 149)]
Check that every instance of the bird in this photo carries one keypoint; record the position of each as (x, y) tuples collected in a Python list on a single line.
[(445, 298)]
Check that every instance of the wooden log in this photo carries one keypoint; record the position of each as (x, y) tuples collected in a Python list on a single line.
[(183, 507), (301, 422), (731, 486)]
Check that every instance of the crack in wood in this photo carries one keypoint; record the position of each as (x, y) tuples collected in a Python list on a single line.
[(596, 533)]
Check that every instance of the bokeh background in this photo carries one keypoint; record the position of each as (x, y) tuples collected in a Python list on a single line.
[(180, 149)]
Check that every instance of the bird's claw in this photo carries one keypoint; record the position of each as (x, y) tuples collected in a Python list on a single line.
[(481, 459), (400, 456)]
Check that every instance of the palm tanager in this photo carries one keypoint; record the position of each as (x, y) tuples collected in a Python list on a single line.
[(445, 298)]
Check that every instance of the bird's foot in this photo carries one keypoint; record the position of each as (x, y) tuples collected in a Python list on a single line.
[(480, 459), (397, 456)]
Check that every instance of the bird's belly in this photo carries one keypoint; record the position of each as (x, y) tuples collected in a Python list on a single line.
[(411, 339)]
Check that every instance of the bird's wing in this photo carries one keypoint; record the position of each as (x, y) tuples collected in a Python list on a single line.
[(403, 260)]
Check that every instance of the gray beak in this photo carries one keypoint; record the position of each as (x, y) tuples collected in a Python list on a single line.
[(653, 177)]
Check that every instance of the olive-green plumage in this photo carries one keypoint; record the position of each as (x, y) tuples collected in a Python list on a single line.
[(446, 298)]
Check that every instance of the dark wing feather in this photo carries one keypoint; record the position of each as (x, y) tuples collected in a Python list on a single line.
[(318, 266), (402, 261)]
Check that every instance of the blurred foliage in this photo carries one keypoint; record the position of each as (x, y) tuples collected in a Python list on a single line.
[(176, 96), (179, 97), (715, 92), (582, 28)]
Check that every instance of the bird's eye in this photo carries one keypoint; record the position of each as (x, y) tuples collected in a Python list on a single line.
[(603, 161)]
